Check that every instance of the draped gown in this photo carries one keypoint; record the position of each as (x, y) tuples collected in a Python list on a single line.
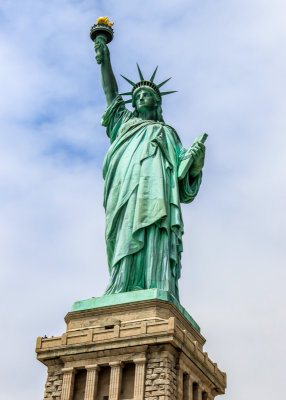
[(142, 196)]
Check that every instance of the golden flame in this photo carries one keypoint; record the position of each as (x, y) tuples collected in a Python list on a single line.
[(104, 21)]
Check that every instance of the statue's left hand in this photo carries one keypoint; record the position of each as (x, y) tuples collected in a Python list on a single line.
[(198, 154)]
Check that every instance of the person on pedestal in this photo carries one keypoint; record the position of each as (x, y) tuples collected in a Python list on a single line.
[(147, 174)]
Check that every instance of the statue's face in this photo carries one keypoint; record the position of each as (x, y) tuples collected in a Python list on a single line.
[(145, 100)]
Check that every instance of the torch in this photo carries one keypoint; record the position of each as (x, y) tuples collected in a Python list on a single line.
[(101, 31)]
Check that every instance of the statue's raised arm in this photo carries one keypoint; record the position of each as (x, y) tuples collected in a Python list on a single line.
[(101, 34)]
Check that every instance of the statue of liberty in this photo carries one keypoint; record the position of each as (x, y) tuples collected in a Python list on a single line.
[(147, 174)]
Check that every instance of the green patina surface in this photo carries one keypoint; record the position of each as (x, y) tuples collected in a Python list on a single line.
[(148, 173), (132, 297)]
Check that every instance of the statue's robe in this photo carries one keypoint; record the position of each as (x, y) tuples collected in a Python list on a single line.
[(142, 196)]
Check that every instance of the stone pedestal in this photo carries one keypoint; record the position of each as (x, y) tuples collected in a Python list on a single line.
[(141, 350)]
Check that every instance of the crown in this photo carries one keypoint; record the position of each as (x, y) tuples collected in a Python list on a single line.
[(146, 83)]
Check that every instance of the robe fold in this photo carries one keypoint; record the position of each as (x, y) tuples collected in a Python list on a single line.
[(142, 196)]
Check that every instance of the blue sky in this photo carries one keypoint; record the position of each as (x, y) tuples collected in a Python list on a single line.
[(227, 60)]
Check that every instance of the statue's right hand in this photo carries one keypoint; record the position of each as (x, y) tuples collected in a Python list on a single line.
[(102, 51)]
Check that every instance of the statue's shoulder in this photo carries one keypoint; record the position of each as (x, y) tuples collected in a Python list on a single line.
[(116, 111), (173, 132)]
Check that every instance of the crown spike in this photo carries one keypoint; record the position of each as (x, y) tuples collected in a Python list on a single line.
[(153, 75), (126, 94), (140, 73), (128, 101), (164, 93), (128, 80), (163, 83)]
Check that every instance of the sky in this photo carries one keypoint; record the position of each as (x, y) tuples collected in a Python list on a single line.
[(227, 60)]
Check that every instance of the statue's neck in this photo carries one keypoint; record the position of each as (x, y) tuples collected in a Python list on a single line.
[(148, 115)]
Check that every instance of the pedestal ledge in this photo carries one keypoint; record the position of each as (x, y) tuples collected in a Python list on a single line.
[(148, 346), (132, 297)]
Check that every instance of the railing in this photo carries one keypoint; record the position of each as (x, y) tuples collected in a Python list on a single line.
[(130, 330)]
